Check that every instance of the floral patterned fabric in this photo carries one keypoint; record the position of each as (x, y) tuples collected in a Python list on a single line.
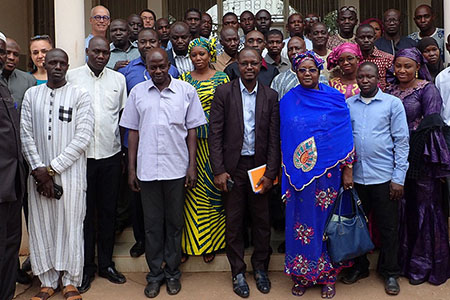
[(307, 260)]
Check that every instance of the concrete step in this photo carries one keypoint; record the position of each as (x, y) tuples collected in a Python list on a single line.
[(125, 263)]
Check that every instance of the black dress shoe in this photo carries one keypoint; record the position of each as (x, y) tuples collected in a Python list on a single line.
[(391, 286), (240, 286), (23, 277), (85, 283), (353, 275), (416, 282), (262, 281), (152, 289), (138, 249), (173, 286), (26, 265), (112, 275)]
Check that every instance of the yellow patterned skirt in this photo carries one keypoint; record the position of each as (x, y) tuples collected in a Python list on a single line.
[(204, 214)]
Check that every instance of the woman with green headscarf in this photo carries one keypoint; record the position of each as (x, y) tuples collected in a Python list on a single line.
[(204, 230)]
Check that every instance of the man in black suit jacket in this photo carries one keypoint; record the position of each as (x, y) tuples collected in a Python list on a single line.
[(244, 134)]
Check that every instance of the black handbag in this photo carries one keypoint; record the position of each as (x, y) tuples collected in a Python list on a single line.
[(347, 238)]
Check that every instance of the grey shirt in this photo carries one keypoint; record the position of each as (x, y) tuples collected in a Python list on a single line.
[(18, 83), (118, 54)]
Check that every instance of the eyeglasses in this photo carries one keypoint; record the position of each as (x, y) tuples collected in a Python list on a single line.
[(304, 70), (349, 8), (98, 18), (312, 19)]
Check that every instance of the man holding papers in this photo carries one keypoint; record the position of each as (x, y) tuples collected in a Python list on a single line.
[(244, 134)]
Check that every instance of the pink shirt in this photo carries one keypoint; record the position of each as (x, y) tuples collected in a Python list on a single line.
[(162, 119)]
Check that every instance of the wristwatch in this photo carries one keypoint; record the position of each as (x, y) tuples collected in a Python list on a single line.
[(350, 166), (50, 171)]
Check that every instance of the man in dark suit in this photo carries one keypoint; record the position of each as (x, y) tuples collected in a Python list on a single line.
[(244, 134), (12, 188)]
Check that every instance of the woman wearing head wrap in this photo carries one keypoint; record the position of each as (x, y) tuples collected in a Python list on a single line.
[(424, 253), (430, 51), (347, 57), (204, 230), (377, 25), (317, 151)]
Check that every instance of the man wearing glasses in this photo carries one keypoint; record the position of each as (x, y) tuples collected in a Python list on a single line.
[(100, 19), (392, 41), (346, 21)]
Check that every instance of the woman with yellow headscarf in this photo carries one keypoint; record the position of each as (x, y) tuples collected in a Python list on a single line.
[(204, 230)]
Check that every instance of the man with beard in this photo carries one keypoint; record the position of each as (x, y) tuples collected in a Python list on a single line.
[(206, 26), (267, 73), (12, 189), (284, 82), (108, 96), (193, 18), (122, 50), (244, 134), (391, 41), (162, 151), (346, 21), (319, 38), (18, 81), (135, 25), (229, 39), (365, 37), (57, 125), (163, 28), (180, 37)]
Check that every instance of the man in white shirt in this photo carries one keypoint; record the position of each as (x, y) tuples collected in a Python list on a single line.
[(108, 91), (295, 26)]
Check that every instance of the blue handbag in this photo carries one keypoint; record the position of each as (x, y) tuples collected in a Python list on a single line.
[(347, 238)]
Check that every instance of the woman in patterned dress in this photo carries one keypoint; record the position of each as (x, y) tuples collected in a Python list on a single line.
[(317, 153), (204, 230), (424, 253), (347, 57)]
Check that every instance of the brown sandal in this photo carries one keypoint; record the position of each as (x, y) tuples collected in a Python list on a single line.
[(71, 293), (44, 294)]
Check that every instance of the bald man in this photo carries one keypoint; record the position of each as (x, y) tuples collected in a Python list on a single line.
[(17, 81), (108, 92), (55, 141), (99, 20), (163, 132)]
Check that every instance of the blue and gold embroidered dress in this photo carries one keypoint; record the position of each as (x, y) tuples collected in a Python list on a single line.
[(316, 141)]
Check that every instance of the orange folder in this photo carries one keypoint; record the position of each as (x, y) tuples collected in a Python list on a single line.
[(255, 175)]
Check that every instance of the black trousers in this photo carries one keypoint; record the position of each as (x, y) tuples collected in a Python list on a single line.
[(10, 237), (385, 211), (103, 177), (236, 201), (163, 204), (136, 210)]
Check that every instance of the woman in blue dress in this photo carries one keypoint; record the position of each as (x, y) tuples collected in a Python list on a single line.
[(317, 151)]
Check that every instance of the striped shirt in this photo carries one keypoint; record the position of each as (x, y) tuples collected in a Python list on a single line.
[(183, 62)]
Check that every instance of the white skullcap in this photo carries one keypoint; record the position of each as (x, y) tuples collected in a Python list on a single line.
[(2, 37)]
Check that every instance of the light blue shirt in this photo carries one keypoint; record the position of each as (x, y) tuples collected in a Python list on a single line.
[(381, 137), (249, 109)]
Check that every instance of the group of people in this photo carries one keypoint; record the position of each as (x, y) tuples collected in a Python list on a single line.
[(164, 123)]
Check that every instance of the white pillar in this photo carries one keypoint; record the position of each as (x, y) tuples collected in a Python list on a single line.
[(446, 27), (69, 30)]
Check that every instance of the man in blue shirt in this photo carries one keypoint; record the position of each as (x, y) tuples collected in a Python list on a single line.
[(135, 72), (381, 138)]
